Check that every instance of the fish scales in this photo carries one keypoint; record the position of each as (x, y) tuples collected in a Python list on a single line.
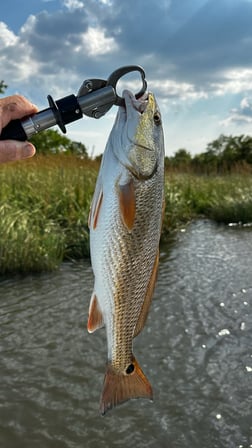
[(125, 225), (128, 296)]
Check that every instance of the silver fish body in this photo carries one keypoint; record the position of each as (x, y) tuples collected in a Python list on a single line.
[(125, 225)]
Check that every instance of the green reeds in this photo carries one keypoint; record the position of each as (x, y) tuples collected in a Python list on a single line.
[(45, 201), (44, 207), (28, 241), (224, 199)]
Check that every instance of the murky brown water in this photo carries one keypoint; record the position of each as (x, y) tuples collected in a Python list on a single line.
[(196, 350)]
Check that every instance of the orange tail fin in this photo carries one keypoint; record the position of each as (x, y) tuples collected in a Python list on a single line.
[(119, 386)]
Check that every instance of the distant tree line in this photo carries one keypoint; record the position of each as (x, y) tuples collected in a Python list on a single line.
[(222, 155), (52, 142)]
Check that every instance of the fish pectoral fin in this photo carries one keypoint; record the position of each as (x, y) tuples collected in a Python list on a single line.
[(121, 386), (148, 298), (95, 317), (95, 209), (127, 202)]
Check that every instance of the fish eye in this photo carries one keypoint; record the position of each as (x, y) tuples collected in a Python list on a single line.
[(130, 369), (157, 118)]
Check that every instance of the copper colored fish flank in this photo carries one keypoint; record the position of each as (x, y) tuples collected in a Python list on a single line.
[(125, 225)]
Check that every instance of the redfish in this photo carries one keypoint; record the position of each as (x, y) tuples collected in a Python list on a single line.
[(125, 225)]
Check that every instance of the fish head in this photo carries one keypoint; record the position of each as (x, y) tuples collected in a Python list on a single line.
[(137, 135)]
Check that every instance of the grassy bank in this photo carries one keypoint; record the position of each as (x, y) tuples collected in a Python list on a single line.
[(224, 199), (44, 206)]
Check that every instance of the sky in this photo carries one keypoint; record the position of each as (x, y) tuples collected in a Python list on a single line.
[(197, 56)]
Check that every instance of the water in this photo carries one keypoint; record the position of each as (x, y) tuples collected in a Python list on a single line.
[(196, 349)]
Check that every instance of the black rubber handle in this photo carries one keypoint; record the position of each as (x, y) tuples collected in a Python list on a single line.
[(13, 131)]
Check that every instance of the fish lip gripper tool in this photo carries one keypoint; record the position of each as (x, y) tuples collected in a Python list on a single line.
[(95, 97)]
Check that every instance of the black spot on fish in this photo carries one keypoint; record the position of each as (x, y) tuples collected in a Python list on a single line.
[(130, 369)]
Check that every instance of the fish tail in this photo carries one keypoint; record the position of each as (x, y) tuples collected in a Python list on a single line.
[(121, 386)]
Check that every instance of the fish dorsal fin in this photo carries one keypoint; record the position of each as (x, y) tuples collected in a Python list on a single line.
[(127, 202), (148, 298), (119, 386), (95, 317)]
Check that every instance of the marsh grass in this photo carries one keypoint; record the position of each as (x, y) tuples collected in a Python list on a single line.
[(27, 241), (225, 199), (45, 201), (44, 206)]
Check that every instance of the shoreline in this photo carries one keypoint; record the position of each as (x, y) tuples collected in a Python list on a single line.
[(45, 201)]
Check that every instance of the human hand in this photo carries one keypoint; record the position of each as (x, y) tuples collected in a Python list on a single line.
[(11, 108)]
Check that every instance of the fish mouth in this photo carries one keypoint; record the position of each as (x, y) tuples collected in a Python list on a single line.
[(139, 104)]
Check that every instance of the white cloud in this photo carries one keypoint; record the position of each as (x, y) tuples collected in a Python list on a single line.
[(97, 43), (245, 103), (20, 69), (237, 119), (233, 81), (170, 88), (28, 25), (241, 115), (16, 60), (7, 37), (106, 2), (73, 4)]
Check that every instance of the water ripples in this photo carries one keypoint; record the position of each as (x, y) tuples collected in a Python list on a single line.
[(196, 349)]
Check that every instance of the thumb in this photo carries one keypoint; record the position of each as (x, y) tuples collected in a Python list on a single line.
[(11, 150)]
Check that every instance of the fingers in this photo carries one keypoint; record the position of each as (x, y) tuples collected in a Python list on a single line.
[(13, 107), (11, 150)]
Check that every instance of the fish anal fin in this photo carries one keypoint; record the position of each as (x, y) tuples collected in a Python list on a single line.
[(95, 317), (120, 386), (148, 298), (127, 201)]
